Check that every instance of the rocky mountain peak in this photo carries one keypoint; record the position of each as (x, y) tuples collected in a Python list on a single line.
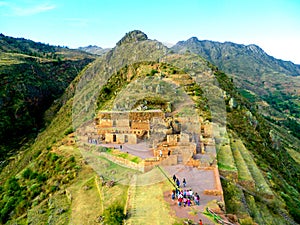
[(193, 39), (133, 36), (255, 49)]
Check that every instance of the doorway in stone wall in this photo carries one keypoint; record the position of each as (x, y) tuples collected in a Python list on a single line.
[(114, 138), (126, 138)]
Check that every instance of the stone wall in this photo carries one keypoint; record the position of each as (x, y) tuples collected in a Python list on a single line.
[(121, 123), (218, 191), (145, 115), (249, 184), (207, 130), (231, 175), (172, 139), (169, 160), (193, 162), (120, 138), (124, 162), (140, 125), (104, 123)]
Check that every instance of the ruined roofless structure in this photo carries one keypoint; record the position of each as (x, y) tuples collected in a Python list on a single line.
[(125, 126)]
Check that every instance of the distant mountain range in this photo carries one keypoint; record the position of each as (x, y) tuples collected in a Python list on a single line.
[(237, 58), (93, 49)]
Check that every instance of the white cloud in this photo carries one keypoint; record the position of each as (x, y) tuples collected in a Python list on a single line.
[(10, 9), (28, 11)]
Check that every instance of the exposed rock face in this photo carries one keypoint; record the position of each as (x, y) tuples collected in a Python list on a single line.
[(133, 36)]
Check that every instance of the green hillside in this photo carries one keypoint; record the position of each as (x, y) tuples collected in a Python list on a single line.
[(56, 179), (33, 75), (260, 77)]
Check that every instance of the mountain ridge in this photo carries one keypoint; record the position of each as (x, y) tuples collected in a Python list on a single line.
[(261, 77), (221, 45), (40, 172), (94, 49), (33, 75)]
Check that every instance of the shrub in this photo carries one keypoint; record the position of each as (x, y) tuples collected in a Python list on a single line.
[(114, 215), (72, 159), (69, 131), (33, 175), (12, 185), (54, 157), (53, 188), (41, 178), (102, 149), (153, 72), (106, 90), (27, 173), (35, 155)]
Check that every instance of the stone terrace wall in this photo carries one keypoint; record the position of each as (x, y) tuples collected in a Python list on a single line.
[(124, 162)]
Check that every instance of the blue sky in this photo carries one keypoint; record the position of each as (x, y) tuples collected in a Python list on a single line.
[(274, 25)]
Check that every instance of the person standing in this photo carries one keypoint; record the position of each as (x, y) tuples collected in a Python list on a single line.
[(178, 183), (184, 182), (160, 153), (189, 202), (174, 178), (180, 199), (173, 195), (200, 222), (197, 199)]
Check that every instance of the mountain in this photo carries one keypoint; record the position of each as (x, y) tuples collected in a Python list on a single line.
[(262, 78), (133, 36), (33, 76), (60, 177), (237, 58), (93, 49)]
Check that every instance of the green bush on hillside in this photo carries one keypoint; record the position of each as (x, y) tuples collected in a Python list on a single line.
[(114, 215)]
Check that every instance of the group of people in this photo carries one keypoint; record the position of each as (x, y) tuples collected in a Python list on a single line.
[(184, 197), (92, 141)]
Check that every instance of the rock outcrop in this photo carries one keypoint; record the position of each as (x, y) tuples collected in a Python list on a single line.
[(133, 36)]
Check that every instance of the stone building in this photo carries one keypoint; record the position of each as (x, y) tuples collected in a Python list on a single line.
[(126, 126)]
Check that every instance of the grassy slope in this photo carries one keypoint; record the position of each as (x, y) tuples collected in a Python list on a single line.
[(259, 76), (50, 144), (280, 170), (32, 75), (55, 132)]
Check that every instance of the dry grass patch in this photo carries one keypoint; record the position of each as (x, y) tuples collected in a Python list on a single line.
[(149, 207), (86, 203)]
